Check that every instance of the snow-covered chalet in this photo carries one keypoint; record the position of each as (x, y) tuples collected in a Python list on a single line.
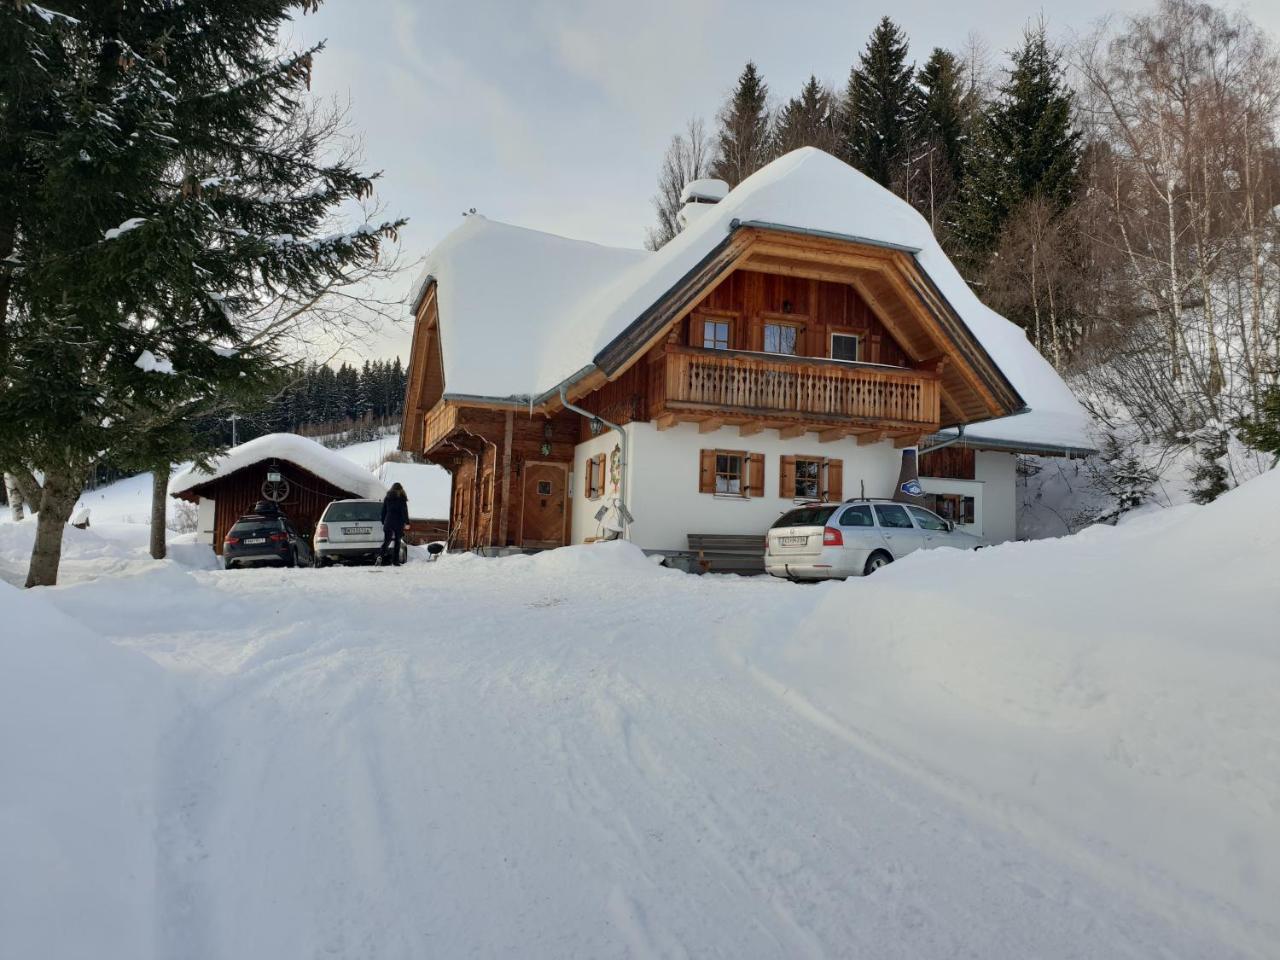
[(801, 331)]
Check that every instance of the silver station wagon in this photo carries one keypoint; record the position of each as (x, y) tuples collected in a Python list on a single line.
[(855, 538)]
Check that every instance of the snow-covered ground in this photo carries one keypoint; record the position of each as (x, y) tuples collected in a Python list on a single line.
[(1053, 749)]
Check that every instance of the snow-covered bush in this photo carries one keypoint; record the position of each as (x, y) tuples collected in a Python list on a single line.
[(184, 517)]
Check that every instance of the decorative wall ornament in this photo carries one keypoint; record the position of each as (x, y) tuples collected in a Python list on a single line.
[(615, 467)]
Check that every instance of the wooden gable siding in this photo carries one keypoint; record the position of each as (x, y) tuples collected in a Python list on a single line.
[(620, 401), (750, 298), (425, 382), (951, 463), (236, 494)]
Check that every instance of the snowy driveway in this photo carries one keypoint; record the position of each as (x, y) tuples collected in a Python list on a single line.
[(582, 755)]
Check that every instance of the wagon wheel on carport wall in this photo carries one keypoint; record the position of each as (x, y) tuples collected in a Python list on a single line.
[(275, 488)]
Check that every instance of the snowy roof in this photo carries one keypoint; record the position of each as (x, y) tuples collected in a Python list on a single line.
[(300, 451), (520, 311)]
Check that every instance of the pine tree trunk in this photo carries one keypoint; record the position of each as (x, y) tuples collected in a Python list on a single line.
[(62, 488), (159, 501), (14, 495)]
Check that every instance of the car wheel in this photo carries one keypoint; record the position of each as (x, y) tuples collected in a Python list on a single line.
[(229, 565), (874, 562)]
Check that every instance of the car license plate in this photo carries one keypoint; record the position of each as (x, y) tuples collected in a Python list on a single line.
[(256, 540), (356, 531), (793, 541)]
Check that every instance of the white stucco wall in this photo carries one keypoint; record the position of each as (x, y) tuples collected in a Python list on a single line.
[(204, 521), (582, 510), (997, 472), (663, 481)]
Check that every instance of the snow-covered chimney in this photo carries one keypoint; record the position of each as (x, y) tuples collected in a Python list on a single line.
[(698, 195)]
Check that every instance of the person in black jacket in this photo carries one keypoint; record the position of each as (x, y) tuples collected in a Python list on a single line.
[(395, 518)]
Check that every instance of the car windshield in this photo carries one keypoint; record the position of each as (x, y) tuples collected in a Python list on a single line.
[(256, 526), (805, 517), (361, 510)]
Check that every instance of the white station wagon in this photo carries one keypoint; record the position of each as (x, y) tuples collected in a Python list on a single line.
[(350, 531), (855, 538)]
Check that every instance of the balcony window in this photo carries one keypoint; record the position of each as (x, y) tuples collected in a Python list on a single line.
[(845, 346), (781, 338), (715, 334)]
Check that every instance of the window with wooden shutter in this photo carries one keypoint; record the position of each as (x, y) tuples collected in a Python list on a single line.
[(803, 478), (731, 473), (809, 478), (595, 477), (707, 472), (755, 475), (786, 477), (835, 480)]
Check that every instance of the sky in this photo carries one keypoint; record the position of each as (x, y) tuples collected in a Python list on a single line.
[(555, 115)]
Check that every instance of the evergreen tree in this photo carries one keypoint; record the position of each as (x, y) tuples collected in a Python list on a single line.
[(929, 174), (1209, 478), (167, 190), (807, 120), (744, 142), (941, 117), (400, 383), (1261, 429), (1025, 146), (1122, 475), (879, 104)]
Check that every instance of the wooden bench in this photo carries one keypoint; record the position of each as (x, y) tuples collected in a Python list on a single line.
[(728, 553)]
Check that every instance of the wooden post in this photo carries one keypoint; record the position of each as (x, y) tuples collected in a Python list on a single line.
[(506, 478)]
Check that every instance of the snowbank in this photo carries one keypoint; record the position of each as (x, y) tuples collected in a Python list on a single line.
[(554, 303), (1054, 749), (1108, 694), (80, 724), (290, 447), (106, 549)]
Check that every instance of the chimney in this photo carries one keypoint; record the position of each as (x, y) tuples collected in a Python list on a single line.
[(697, 196)]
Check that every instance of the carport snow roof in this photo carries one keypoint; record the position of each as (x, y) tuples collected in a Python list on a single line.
[(290, 448), (521, 311)]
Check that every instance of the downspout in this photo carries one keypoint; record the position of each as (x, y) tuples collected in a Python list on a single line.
[(622, 467), (945, 443)]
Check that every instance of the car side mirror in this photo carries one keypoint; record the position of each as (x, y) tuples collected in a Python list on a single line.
[(951, 525)]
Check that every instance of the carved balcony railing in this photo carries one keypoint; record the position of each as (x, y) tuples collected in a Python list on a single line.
[(822, 390)]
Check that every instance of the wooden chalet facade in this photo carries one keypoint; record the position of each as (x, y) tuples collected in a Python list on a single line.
[(783, 363)]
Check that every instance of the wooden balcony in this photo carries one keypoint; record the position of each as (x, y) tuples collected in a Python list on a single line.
[(795, 389), (438, 423)]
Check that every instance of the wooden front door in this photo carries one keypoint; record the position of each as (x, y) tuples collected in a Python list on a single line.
[(544, 515)]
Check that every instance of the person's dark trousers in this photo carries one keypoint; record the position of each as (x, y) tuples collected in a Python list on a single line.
[(388, 535)]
